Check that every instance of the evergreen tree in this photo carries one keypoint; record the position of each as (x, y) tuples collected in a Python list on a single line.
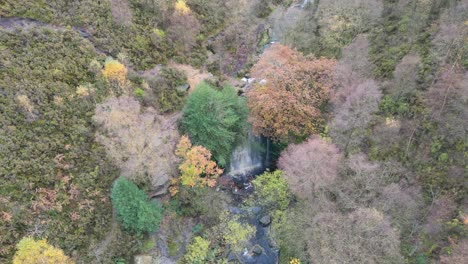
[(132, 206), (215, 120)]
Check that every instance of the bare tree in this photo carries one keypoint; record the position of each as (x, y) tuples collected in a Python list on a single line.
[(362, 236), (310, 166), (121, 12), (354, 106), (141, 143)]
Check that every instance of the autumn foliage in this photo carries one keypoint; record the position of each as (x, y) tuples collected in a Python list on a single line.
[(197, 168), (33, 251), (115, 74), (287, 101)]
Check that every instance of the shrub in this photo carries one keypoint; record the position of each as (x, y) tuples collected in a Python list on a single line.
[(215, 120), (132, 206), (116, 74), (32, 251), (168, 97), (197, 251)]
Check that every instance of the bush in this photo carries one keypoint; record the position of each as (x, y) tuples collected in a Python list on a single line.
[(164, 87), (132, 206), (216, 120), (197, 251)]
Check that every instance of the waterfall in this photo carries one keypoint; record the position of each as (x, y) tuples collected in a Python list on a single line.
[(249, 158), (304, 4)]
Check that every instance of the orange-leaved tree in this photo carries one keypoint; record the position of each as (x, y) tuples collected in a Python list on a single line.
[(197, 168), (286, 103)]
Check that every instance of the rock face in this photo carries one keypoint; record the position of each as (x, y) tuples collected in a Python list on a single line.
[(265, 220), (143, 259)]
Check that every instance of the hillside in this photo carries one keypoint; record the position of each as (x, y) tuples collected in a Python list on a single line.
[(234, 131)]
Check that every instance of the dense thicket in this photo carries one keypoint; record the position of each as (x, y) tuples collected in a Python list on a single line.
[(53, 172)]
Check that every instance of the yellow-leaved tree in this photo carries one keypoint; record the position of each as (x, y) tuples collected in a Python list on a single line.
[(31, 251), (182, 7), (115, 74), (197, 168)]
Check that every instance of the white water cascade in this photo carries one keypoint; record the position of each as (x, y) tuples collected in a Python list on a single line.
[(304, 4), (249, 158)]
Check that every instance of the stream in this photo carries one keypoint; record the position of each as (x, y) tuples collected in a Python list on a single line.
[(247, 161)]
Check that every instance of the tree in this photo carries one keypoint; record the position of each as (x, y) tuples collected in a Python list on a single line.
[(140, 142), (116, 75), (354, 105), (183, 29), (362, 236), (310, 165), (132, 206), (197, 251), (33, 251), (272, 190), (215, 120), (197, 168), (287, 103)]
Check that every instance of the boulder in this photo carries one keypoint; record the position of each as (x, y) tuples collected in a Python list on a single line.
[(183, 88), (265, 220), (143, 259), (257, 250)]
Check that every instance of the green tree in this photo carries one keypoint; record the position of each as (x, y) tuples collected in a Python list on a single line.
[(216, 120), (132, 206), (272, 190)]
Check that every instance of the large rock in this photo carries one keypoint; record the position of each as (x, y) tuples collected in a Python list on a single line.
[(163, 260), (143, 259), (257, 250), (265, 220), (183, 88)]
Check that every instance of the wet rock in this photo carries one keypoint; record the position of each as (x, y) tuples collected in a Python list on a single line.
[(163, 260), (257, 250), (255, 209), (234, 210), (183, 88), (265, 220), (272, 243), (143, 259)]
